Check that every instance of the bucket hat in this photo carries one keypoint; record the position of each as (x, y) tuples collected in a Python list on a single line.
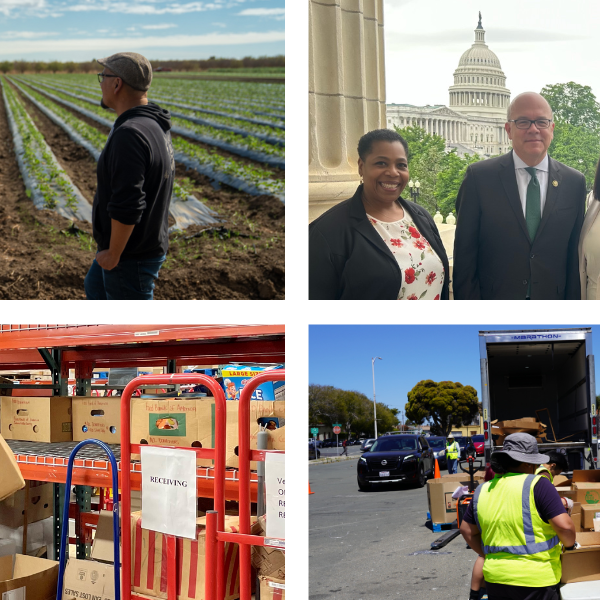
[(522, 447)]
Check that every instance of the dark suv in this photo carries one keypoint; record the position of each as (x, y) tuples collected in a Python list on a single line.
[(396, 458)]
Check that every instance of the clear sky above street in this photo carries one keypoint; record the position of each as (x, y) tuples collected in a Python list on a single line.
[(340, 355), (80, 30), (537, 43)]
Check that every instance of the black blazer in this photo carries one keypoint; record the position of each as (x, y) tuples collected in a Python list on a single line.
[(348, 260), (494, 258)]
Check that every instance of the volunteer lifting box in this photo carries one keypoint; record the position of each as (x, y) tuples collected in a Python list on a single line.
[(37, 419)]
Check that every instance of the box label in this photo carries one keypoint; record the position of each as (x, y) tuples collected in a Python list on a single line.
[(279, 586), (167, 424), (66, 427), (450, 502), (592, 497), (18, 594)]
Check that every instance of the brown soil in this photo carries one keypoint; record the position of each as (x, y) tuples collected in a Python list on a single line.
[(44, 256)]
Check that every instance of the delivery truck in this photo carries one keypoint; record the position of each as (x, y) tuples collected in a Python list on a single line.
[(545, 374)]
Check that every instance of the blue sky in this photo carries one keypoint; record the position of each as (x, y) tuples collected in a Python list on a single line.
[(81, 30), (340, 355)]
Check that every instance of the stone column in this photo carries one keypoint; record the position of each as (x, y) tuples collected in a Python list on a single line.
[(346, 94)]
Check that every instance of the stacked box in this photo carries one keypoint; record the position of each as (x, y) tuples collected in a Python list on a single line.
[(37, 419)]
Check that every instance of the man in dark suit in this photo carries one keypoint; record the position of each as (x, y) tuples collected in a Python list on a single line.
[(519, 217)]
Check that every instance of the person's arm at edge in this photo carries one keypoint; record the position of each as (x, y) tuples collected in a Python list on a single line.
[(322, 276), (573, 288), (119, 236), (466, 241), (472, 536), (564, 528)]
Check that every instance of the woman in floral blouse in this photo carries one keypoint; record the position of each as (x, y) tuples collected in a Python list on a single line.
[(376, 245)]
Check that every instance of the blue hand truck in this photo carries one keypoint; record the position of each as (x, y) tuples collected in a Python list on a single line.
[(65, 521)]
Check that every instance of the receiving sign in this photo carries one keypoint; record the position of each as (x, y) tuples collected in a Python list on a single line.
[(275, 492), (169, 491)]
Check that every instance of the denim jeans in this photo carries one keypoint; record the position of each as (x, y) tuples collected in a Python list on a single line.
[(452, 465), (129, 280)]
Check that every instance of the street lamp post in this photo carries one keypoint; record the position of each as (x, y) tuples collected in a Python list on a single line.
[(374, 401), (415, 187)]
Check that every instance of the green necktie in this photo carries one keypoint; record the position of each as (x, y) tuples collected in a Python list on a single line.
[(533, 209)]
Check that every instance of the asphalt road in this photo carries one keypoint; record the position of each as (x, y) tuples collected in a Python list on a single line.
[(376, 544), (352, 450)]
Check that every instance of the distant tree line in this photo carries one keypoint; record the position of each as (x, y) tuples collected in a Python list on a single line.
[(353, 410), (91, 66)]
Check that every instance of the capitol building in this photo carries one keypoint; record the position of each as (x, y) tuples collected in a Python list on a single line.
[(474, 120)]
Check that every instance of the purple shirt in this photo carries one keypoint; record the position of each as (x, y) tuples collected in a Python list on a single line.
[(546, 498)]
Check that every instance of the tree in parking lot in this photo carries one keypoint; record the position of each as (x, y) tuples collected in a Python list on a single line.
[(354, 410), (445, 405)]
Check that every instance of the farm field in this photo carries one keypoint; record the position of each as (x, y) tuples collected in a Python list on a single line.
[(229, 144)]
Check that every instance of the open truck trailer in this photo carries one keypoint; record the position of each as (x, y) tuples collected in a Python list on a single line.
[(527, 371)]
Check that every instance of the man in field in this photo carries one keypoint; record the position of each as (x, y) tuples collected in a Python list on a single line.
[(135, 182)]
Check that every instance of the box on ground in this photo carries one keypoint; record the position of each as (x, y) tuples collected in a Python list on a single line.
[(97, 417), (37, 419), (11, 479), (272, 588), (582, 564), (37, 576), (268, 561), (149, 573), (40, 505), (88, 579), (442, 507)]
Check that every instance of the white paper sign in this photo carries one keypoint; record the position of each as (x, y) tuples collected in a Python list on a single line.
[(169, 491), (275, 493), (18, 594)]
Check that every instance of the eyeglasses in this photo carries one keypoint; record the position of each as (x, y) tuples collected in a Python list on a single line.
[(101, 76), (527, 123)]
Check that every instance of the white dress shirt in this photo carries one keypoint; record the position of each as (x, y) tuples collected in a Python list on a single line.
[(523, 179)]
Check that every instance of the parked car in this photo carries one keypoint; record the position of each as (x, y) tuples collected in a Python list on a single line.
[(313, 452), (331, 443), (478, 442), (396, 458), (438, 445), (366, 445)]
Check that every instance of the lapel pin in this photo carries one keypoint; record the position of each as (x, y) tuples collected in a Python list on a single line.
[(555, 183)]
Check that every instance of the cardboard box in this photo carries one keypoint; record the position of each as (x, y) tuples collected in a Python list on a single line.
[(184, 423), (88, 579), (37, 576), (272, 588), (103, 547), (590, 496), (276, 439), (588, 513), (40, 505), (149, 574), (442, 507), (234, 378), (37, 419), (562, 481), (11, 479), (97, 417), (268, 561), (582, 564)]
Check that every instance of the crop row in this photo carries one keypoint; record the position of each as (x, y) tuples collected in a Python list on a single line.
[(246, 177), (46, 182)]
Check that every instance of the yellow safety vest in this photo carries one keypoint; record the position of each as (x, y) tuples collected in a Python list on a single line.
[(544, 472), (519, 547), (452, 451)]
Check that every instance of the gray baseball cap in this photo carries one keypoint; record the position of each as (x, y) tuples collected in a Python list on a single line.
[(523, 447), (132, 67)]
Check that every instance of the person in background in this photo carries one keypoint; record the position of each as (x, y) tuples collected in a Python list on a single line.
[(557, 464), (345, 447), (452, 452), (376, 245), (518, 522)]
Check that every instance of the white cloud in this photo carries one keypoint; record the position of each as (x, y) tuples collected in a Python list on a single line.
[(161, 26), (219, 24), (133, 44), (26, 35), (261, 12), (145, 7), (6, 6)]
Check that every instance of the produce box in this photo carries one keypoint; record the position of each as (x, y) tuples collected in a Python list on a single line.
[(97, 417), (88, 579), (37, 419), (582, 564), (30, 578), (149, 573), (586, 485), (39, 507), (276, 439), (271, 588)]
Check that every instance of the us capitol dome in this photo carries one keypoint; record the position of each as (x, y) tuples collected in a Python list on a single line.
[(473, 122)]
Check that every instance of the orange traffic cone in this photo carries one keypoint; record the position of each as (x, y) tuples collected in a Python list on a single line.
[(309, 492), (436, 473)]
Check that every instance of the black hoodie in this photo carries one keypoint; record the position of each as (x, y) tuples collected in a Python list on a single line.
[(135, 182)]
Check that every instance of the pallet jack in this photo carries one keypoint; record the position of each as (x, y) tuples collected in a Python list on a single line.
[(463, 503), (64, 544)]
